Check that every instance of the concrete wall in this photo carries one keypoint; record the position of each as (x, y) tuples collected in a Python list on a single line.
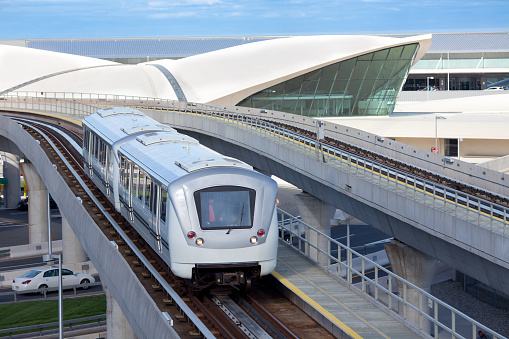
[(500, 164)]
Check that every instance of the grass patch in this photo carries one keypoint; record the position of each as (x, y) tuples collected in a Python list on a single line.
[(46, 311)]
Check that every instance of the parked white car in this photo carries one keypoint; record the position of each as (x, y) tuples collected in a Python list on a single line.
[(40, 279), (495, 88)]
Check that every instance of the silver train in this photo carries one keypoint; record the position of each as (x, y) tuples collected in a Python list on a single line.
[(211, 218)]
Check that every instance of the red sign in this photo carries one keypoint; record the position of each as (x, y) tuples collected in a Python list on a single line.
[(434, 150)]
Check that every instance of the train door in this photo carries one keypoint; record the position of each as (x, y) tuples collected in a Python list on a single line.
[(163, 229), (90, 149), (129, 191), (157, 214), (107, 169), (141, 187)]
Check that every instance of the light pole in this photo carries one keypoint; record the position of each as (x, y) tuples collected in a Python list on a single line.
[(436, 130), (427, 87), (459, 155), (50, 248), (48, 258)]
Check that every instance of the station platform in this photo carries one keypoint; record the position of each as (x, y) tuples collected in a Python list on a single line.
[(339, 309)]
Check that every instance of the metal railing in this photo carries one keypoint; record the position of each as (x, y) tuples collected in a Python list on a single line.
[(391, 292), (478, 211), (45, 327)]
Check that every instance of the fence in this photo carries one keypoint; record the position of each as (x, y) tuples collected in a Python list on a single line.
[(100, 319), (396, 295), (44, 291)]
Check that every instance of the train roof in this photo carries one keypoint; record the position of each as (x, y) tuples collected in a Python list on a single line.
[(158, 148)]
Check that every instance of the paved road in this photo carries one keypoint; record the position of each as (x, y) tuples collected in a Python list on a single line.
[(22, 263), (14, 227), (7, 295)]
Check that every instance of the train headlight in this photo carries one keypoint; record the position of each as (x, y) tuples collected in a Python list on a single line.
[(199, 241), (253, 240), (261, 232), (191, 235)]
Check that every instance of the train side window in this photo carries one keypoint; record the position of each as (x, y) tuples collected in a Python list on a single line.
[(99, 148), (136, 180), (141, 185), (128, 169), (96, 152), (102, 154), (147, 191), (110, 162), (153, 198), (123, 171), (92, 143), (164, 197), (85, 138)]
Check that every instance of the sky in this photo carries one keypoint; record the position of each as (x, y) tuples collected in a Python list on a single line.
[(81, 19)]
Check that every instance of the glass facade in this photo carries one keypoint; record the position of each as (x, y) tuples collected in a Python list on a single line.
[(365, 85)]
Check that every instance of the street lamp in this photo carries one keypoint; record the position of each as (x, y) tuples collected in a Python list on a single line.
[(49, 258), (459, 155), (427, 87), (436, 131)]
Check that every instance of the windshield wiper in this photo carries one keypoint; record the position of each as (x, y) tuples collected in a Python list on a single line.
[(238, 219)]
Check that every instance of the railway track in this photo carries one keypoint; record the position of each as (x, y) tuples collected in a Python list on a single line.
[(397, 165), (224, 313)]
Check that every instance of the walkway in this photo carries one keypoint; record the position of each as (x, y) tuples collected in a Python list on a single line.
[(321, 293)]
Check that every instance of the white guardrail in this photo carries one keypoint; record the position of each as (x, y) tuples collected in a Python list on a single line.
[(444, 320)]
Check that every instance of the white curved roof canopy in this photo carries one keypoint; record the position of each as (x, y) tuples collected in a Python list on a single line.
[(227, 76), (222, 77)]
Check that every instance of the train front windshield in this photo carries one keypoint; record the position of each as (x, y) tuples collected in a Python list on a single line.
[(225, 207)]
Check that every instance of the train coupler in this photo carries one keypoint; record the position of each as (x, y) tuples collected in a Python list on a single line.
[(231, 279)]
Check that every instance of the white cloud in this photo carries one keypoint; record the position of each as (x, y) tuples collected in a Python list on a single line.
[(173, 15), (183, 3)]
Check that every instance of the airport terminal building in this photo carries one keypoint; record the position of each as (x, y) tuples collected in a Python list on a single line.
[(370, 82), (455, 61)]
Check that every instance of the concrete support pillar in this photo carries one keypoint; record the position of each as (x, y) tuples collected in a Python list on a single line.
[(12, 191), (72, 250), (417, 268), (37, 204), (317, 214), (116, 322)]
